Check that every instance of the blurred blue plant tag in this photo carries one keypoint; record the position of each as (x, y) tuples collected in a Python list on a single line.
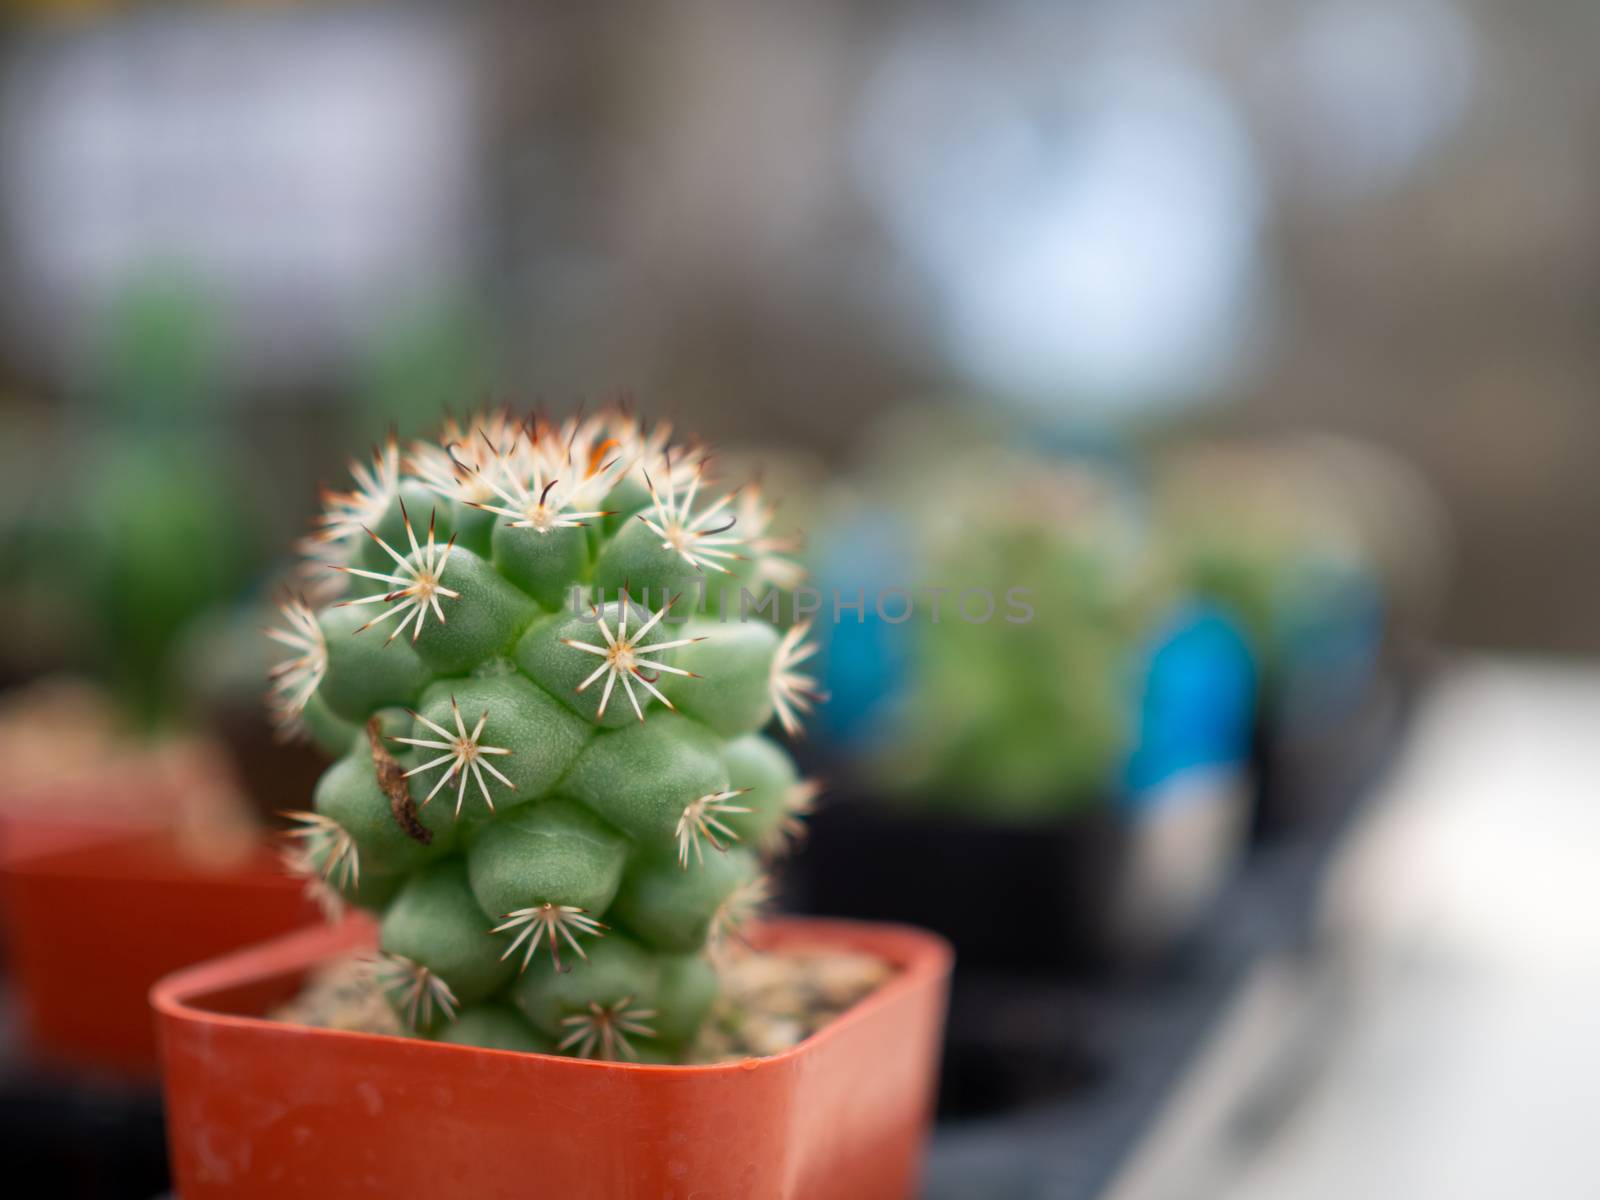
[(1196, 704), (866, 663)]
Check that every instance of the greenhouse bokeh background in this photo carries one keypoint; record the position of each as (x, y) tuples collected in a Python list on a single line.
[(1372, 218), (1107, 268)]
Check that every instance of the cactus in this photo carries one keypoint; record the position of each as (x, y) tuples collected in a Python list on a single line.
[(1026, 715), (552, 781)]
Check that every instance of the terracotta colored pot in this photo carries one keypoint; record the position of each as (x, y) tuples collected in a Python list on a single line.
[(183, 785), (263, 1109), (91, 927), (44, 818), (22, 838)]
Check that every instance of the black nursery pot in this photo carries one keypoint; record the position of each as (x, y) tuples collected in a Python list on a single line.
[(1098, 890), (1039, 914), (1013, 896), (1311, 772)]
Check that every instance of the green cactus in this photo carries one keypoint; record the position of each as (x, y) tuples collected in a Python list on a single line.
[(1026, 720), (552, 780)]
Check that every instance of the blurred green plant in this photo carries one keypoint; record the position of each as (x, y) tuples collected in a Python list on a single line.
[(422, 362), (1023, 720), (1029, 713), (1268, 532), (155, 528)]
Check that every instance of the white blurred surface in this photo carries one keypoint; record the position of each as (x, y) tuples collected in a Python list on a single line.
[(1470, 1066), (1445, 1045)]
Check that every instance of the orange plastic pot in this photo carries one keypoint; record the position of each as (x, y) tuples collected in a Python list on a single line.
[(22, 838), (45, 818), (258, 1109), (90, 928)]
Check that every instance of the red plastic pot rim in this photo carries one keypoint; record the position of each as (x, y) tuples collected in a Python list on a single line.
[(920, 958), (146, 855)]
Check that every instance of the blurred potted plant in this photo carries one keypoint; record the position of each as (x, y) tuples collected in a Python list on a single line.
[(151, 531), (1038, 714), (162, 530), (1329, 555), (1049, 745), (74, 771), (128, 825), (555, 794)]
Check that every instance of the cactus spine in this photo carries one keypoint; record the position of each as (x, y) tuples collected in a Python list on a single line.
[(552, 782)]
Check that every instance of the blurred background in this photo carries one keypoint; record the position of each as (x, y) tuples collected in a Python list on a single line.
[(1256, 338), (1373, 218)]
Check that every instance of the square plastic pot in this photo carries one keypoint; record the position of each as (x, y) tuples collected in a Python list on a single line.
[(90, 928), (260, 1109)]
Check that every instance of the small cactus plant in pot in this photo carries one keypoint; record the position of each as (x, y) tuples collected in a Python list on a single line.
[(116, 812), (554, 794), (1051, 737), (1328, 554), (1030, 743)]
